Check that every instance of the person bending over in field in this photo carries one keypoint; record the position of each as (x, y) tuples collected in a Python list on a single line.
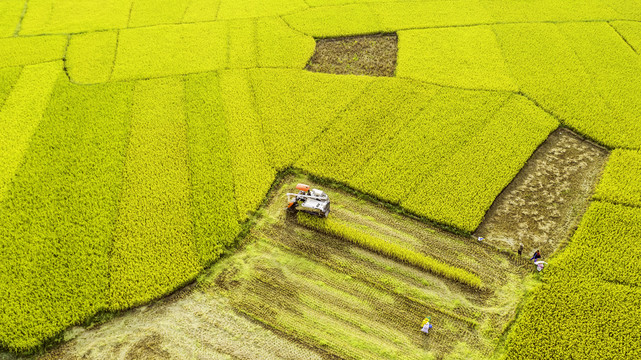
[(536, 256), (426, 326), (520, 250)]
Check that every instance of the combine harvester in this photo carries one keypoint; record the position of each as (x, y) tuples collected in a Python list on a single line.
[(313, 201)]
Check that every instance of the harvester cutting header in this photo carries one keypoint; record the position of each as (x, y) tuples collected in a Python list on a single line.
[(312, 201)]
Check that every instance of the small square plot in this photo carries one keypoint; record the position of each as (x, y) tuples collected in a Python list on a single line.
[(373, 55)]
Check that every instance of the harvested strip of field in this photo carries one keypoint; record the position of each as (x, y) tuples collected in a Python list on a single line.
[(58, 218), (376, 244), (193, 323), (547, 198), (21, 114), (326, 308), (373, 55), (154, 250), (324, 293)]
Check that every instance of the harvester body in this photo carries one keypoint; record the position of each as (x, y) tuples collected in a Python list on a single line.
[(312, 201)]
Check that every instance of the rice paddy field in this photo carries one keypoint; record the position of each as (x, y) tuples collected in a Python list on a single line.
[(146, 148)]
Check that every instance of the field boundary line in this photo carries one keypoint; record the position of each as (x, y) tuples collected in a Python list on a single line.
[(323, 37), (24, 13), (190, 179), (623, 38), (617, 203), (113, 63), (339, 113)]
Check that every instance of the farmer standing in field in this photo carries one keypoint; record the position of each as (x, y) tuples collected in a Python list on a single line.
[(536, 256), (520, 251)]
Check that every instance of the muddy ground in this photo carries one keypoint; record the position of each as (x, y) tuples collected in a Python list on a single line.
[(373, 55), (544, 204)]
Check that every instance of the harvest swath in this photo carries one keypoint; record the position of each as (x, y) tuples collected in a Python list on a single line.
[(139, 140)]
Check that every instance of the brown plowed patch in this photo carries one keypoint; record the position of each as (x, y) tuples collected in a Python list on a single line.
[(545, 202), (373, 55)]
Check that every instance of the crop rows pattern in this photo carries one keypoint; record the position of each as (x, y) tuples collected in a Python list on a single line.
[(379, 245), (136, 142)]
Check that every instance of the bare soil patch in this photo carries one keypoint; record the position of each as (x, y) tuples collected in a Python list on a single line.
[(373, 55), (545, 202)]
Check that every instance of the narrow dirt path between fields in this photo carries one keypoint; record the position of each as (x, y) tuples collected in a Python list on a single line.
[(545, 202)]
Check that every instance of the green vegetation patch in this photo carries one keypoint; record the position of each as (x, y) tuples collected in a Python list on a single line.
[(333, 21), (578, 318), (71, 16), (8, 78), (90, 56), (631, 33), (465, 57), (200, 47), (365, 127), (232, 9), (18, 51), (445, 159), (153, 12), (58, 219), (606, 245), (212, 183), (10, 12), (313, 101), (432, 136), (22, 111), (463, 189), (621, 179), (253, 174), (592, 289), (154, 250), (202, 10), (582, 72)]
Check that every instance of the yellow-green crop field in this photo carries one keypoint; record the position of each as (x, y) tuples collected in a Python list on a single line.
[(138, 139)]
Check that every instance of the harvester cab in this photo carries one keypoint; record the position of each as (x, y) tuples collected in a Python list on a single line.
[(312, 201)]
